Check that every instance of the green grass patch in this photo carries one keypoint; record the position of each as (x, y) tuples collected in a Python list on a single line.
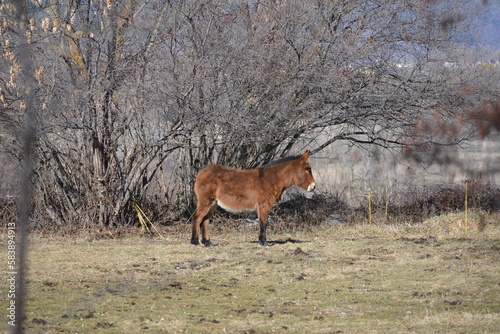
[(344, 279)]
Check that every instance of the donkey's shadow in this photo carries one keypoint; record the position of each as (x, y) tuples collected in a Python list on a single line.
[(282, 242)]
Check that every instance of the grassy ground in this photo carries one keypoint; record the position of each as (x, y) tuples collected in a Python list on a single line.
[(427, 278)]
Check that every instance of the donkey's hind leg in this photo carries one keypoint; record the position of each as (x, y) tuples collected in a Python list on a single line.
[(204, 226), (201, 216), (201, 211)]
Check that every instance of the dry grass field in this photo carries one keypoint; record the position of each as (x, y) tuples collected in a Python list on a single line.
[(432, 277)]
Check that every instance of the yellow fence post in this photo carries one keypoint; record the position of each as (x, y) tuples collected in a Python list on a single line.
[(370, 206), (466, 206), (386, 199)]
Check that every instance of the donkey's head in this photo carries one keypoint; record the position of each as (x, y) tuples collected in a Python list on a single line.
[(304, 177)]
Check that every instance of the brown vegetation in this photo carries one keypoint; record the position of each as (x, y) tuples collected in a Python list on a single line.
[(133, 99)]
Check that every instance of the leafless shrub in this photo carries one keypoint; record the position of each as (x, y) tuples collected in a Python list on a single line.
[(415, 203), (8, 208), (301, 211), (128, 91), (443, 198), (483, 195)]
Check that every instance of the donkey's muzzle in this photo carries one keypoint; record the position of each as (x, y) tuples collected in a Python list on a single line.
[(311, 186)]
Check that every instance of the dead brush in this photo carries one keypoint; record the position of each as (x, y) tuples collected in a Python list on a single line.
[(483, 195), (301, 211), (438, 199), (8, 209)]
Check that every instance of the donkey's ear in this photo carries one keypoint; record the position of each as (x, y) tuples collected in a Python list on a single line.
[(305, 155)]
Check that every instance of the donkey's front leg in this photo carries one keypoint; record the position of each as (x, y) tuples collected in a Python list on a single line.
[(262, 234), (263, 212)]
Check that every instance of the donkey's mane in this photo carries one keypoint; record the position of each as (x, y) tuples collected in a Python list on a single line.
[(280, 161)]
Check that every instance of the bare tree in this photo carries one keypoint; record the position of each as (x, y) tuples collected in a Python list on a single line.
[(269, 77), (123, 84), (99, 139)]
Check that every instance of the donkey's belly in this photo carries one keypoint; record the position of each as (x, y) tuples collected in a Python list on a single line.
[(236, 208)]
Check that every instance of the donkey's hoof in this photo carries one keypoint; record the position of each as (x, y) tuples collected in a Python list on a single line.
[(263, 243), (207, 243), (195, 242)]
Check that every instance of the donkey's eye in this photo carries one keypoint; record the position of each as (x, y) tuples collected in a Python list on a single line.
[(308, 169)]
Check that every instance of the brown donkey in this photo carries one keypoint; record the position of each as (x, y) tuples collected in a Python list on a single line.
[(238, 191)]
